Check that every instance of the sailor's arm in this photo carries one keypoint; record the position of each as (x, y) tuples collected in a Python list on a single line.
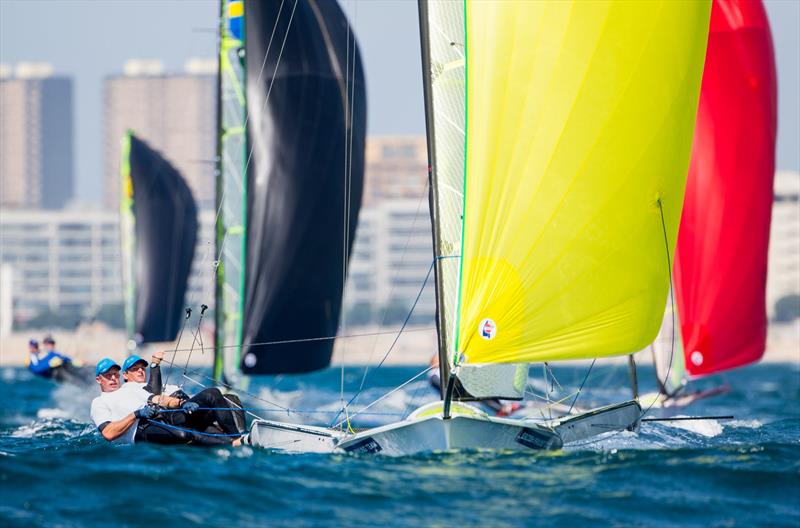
[(154, 385), (113, 430), (168, 402)]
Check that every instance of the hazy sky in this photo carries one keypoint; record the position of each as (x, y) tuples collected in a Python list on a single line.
[(89, 39)]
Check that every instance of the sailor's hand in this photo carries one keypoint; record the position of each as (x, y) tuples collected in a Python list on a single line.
[(157, 357), (190, 406), (55, 362), (145, 412)]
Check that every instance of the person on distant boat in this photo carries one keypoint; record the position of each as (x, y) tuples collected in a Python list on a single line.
[(45, 363), (499, 408), (130, 413), (56, 366)]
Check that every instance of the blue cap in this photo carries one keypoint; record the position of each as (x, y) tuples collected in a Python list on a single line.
[(33, 343), (104, 365), (131, 361)]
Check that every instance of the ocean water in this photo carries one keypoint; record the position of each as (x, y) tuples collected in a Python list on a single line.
[(55, 470)]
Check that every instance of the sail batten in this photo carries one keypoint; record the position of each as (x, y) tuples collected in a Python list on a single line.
[(578, 141)]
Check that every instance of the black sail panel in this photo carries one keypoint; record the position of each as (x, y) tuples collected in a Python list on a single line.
[(165, 232), (306, 133)]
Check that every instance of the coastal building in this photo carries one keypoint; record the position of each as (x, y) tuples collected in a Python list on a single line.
[(783, 276), (175, 113), (36, 137), (69, 260), (396, 167), (391, 259), (393, 248)]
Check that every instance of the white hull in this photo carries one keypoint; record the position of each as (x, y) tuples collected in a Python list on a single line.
[(426, 431), (293, 438)]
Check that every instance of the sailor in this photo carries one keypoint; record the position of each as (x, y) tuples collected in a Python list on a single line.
[(130, 413), (45, 363)]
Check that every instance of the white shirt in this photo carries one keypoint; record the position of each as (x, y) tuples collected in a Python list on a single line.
[(113, 406)]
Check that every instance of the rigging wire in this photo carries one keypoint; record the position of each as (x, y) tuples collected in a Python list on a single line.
[(325, 338), (178, 342), (382, 397), (672, 305), (397, 337)]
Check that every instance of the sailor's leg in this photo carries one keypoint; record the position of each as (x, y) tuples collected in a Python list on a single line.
[(160, 433), (214, 399)]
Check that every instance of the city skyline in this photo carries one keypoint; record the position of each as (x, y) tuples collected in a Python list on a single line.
[(65, 34)]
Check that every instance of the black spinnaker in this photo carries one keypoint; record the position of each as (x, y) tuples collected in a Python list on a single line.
[(159, 230), (305, 104)]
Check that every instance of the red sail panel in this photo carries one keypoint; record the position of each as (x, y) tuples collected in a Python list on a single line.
[(721, 260)]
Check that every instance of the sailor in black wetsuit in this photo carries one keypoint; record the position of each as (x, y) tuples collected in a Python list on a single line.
[(135, 412)]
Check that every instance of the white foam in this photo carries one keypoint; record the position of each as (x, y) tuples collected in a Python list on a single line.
[(708, 428), (748, 424), (47, 413)]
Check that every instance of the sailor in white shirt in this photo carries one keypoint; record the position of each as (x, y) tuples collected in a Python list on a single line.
[(130, 413), (117, 411)]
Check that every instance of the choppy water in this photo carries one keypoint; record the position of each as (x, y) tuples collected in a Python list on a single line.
[(56, 471)]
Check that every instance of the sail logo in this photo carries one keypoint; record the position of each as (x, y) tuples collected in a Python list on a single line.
[(487, 329), (697, 358)]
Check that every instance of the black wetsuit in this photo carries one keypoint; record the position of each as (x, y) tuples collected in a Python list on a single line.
[(200, 427)]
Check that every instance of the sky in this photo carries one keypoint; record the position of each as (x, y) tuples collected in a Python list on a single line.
[(89, 40)]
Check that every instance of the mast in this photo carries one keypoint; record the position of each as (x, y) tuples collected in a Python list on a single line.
[(231, 186), (433, 199)]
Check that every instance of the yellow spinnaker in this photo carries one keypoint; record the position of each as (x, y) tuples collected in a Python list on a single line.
[(580, 118)]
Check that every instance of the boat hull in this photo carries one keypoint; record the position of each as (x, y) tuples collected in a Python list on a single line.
[(434, 433), (467, 428), (293, 438)]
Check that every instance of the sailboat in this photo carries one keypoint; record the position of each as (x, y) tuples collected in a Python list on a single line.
[(292, 125), (571, 124), (721, 259), (158, 219)]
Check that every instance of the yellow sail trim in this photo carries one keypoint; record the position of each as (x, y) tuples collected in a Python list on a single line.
[(579, 130)]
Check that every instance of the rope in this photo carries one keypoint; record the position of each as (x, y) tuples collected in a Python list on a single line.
[(194, 431), (391, 347), (288, 411), (581, 387), (197, 334), (385, 395), (672, 304), (312, 339), (177, 343)]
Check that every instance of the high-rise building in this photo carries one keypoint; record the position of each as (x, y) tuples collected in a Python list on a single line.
[(783, 277), (396, 167), (36, 141), (174, 113), (391, 259), (70, 260)]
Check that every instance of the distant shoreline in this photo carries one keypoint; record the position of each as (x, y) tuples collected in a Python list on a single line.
[(362, 346)]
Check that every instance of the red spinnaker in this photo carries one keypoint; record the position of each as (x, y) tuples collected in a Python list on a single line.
[(721, 260)]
